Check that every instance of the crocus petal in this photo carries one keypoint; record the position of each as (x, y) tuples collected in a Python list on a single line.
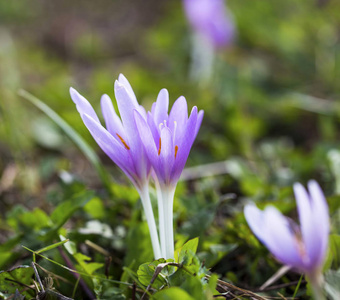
[(126, 106), (280, 239), (184, 144), (255, 220), (146, 137), (320, 210), (166, 153), (113, 123), (110, 146), (307, 224), (161, 107), (83, 106), (123, 81), (154, 129), (178, 113)]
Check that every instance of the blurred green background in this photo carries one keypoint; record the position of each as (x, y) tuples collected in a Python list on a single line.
[(271, 118)]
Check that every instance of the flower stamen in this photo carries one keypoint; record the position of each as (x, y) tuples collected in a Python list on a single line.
[(160, 146), (124, 143), (176, 149)]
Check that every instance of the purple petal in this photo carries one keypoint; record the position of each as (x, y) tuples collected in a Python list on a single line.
[(146, 138), (126, 106), (307, 223), (280, 239), (178, 113), (161, 108), (154, 129), (321, 218), (113, 123), (255, 220), (83, 106), (185, 138), (166, 153), (211, 19), (123, 81), (110, 146)]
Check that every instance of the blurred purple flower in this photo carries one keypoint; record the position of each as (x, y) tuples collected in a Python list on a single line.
[(304, 247), (167, 139), (120, 141), (211, 19)]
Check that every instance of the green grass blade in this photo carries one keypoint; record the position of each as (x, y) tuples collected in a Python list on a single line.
[(72, 134), (297, 287), (51, 246)]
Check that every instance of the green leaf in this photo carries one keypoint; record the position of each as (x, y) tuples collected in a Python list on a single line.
[(66, 209), (189, 245), (88, 267), (146, 271), (95, 208), (211, 286), (72, 134), (171, 294), (10, 280), (36, 219), (333, 257), (138, 244)]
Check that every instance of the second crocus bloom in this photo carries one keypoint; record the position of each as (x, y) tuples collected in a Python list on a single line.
[(301, 247), (167, 139)]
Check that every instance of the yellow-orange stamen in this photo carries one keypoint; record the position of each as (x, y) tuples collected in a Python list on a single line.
[(176, 149), (124, 143), (160, 146)]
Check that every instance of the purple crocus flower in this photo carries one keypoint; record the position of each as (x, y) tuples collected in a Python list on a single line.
[(210, 19), (167, 139), (301, 247), (121, 142)]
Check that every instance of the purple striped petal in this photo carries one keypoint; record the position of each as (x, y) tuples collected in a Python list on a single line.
[(126, 106), (154, 129), (161, 108), (186, 137), (123, 81), (146, 138), (113, 123), (83, 106), (166, 153), (178, 113), (110, 146)]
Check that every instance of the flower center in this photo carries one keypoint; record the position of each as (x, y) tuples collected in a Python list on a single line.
[(124, 143), (160, 148)]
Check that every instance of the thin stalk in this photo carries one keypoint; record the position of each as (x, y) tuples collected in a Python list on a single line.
[(150, 219), (168, 200), (160, 217), (316, 282)]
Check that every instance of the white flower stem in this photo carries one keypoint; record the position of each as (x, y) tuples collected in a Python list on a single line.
[(150, 219), (166, 221), (316, 282), (160, 217)]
